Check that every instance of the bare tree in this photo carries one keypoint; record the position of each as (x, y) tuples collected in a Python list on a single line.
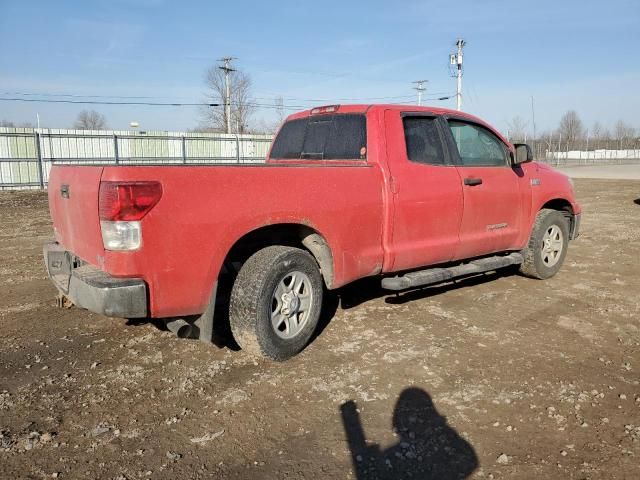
[(624, 134), (273, 125), (264, 127), (90, 120), (548, 140), (214, 118), (6, 123), (571, 128), (517, 129), (599, 136), (281, 113), (597, 130)]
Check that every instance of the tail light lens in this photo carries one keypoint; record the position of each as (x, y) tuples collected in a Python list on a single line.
[(120, 236), (122, 205), (127, 201)]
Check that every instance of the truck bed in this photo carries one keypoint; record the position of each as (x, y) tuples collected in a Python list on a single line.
[(204, 210)]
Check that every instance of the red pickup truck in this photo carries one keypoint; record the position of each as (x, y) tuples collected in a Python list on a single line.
[(414, 195)]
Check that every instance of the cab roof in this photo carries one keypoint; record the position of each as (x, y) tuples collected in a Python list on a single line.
[(364, 108)]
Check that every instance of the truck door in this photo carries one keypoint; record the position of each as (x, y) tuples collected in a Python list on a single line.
[(492, 197), (427, 191)]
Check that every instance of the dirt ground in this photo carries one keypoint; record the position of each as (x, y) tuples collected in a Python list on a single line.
[(494, 377)]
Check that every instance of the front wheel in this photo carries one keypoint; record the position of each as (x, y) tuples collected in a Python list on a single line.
[(547, 246), (275, 302)]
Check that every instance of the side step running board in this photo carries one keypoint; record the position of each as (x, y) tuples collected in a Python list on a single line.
[(439, 275)]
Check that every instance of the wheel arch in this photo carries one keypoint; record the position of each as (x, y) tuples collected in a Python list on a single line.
[(289, 234), (560, 204)]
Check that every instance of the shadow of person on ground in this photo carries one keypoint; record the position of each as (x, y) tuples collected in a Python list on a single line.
[(428, 448)]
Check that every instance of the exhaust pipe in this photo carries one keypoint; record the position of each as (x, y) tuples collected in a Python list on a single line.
[(183, 329)]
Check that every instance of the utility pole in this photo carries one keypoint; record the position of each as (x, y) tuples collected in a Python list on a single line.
[(420, 89), (226, 68), (456, 59), (533, 119)]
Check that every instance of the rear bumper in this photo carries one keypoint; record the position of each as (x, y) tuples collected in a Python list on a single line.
[(91, 288), (575, 226)]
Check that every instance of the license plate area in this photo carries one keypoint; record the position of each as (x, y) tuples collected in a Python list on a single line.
[(60, 264)]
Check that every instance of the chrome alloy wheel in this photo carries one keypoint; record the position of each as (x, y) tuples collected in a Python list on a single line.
[(291, 304), (552, 245)]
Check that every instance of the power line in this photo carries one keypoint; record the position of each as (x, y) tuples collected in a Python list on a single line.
[(75, 95), (356, 99), (431, 99), (104, 102), (153, 104), (169, 104)]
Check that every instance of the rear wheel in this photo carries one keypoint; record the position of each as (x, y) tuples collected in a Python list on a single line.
[(547, 246), (275, 302)]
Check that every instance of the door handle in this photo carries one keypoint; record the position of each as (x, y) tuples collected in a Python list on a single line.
[(472, 181)]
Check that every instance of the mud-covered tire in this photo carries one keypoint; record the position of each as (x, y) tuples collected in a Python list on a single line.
[(551, 226), (256, 303)]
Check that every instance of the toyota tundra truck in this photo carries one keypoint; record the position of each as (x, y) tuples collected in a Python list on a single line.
[(412, 195)]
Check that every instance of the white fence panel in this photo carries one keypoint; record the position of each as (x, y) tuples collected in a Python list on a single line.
[(22, 163)]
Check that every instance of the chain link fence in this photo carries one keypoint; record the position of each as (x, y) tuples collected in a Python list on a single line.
[(586, 152)]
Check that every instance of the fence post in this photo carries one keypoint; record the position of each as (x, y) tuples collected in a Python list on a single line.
[(115, 148), (237, 148), (184, 150), (36, 137)]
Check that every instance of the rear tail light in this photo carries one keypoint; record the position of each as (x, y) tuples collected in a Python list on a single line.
[(121, 206), (127, 200), (121, 235)]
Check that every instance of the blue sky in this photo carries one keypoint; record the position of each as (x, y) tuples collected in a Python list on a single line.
[(567, 54)]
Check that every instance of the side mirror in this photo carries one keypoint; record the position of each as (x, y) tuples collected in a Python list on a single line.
[(523, 153)]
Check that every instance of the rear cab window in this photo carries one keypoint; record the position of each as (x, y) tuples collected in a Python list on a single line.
[(322, 137), (423, 141)]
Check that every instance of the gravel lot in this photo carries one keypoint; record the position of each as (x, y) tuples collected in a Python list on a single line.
[(493, 377), (617, 172)]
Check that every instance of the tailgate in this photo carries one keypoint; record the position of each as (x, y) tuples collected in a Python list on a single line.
[(73, 203)]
